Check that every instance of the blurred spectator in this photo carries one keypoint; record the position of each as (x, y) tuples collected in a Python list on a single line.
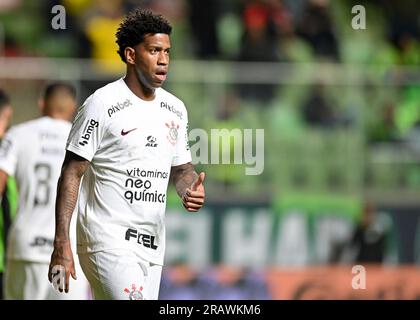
[(179, 282), (317, 28), (370, 239), (259, 43), (281, 16), (11, 48), (402, 20), (100, 26), (203, 18), (385, 130), (316, 110), (233, 283), (409, 48), (173, 9), (293, 48), (259, 32), (9, 4), (296, 8), (407, 113), (75, 12), (18, 33)]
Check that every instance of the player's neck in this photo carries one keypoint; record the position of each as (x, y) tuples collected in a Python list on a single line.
[(135, 85)]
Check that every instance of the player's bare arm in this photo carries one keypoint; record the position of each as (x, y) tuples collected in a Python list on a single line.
[(189, 186), (67, 192)]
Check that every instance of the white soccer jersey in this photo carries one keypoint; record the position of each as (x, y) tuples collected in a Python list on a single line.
[(33, 153), (131, 144)]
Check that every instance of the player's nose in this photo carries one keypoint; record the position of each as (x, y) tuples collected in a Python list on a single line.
[(163, 59)]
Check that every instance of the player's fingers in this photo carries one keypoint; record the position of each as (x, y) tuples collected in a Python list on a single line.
[(194, 194), (189, 209), (185, 206), (191, 205), (61, 282), (199, 201), (67, 283), (196, 202)]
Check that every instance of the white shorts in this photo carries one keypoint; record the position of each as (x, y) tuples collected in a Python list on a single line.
[(121, 275), (26, 280)]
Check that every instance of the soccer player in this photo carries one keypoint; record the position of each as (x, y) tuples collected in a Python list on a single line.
[(9, 195), (128, 139), (32, 152)]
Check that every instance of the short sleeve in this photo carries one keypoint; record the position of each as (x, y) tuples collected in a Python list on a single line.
[(9, 152), (183, 153), (87, 129)]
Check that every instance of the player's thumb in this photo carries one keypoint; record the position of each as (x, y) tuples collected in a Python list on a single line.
[(199, 181)]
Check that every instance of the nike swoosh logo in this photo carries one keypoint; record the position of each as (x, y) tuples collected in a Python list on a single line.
[(123, 133)]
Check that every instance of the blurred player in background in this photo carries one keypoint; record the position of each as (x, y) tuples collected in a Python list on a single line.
[(9, 195), (127, 140), (32, 152)]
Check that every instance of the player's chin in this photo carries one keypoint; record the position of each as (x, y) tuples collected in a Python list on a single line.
[(157, 83)]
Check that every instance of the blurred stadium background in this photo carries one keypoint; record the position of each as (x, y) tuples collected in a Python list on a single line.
[(341, 113)]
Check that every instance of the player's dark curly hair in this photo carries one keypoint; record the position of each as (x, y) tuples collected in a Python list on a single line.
[(136, 25), (52, 88)]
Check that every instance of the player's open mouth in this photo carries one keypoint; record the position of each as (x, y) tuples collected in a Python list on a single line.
[(161, 75)]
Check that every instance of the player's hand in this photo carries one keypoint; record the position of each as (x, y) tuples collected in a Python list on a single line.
[(194, 196), (62, 256)]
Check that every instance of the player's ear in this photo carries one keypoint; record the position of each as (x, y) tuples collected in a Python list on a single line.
[(130, 55)]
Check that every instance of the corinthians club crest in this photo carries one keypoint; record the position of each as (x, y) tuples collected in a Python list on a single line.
[(173, 132), (134, 294)]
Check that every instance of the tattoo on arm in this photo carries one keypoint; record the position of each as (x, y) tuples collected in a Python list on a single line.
[(67, 191), (183, 176), (59, 253)]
